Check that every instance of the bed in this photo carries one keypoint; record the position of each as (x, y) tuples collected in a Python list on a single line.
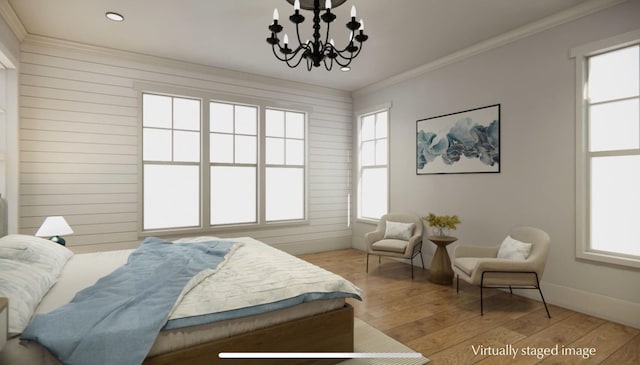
[(300, 321)]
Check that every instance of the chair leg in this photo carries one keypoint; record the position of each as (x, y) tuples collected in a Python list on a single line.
[(481, 305), (421, 259), (457, 283), (481, 286), (367, 262), (542, 297), (510, 290)]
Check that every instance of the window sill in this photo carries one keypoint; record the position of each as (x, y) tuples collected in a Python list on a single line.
[(223, 229), (610, 258)]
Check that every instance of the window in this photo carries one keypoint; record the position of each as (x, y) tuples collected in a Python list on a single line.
[(285, 161), (608, 158), (372, 147), (194, 181), (171, 162), (234, 163)]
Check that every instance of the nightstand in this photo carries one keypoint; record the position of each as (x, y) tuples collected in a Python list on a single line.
[(4, 321)]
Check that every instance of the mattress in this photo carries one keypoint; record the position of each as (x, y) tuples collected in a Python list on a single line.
[(84, 270)]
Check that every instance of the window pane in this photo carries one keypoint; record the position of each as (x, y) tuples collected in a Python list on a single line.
[(275, 151), (295, 152), (186, 114), (233, 195), (221, 149), (274, 123), (614, 126), (156, 145), (367, 131), (614, 74), (373, 199), (381, 125), (186, 146), (614, 204), (221, 117), (156, 111), (368, 153), (284, 194), (171, 196), (246, 149), (381, 152), (295, 125), (246, 120)]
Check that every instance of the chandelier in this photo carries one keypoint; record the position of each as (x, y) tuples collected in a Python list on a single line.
[(317, 52)]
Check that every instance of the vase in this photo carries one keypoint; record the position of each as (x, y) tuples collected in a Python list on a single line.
[(440, 231)]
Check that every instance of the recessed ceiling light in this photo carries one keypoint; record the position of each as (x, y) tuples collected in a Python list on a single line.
[(345, 69), (114, 16)]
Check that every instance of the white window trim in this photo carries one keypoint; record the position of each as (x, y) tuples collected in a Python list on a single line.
[(358, 116), (206, 97), (581, 53)]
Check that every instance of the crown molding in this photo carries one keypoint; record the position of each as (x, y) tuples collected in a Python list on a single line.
[(12, 20), (576, 12)]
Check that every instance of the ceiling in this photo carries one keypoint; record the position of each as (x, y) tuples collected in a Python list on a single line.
[(231, 34)]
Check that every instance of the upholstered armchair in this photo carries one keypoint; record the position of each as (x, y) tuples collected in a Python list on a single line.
[(516, 264), (397, 235)]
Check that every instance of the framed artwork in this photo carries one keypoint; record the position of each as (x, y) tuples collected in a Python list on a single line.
[(459, 143)]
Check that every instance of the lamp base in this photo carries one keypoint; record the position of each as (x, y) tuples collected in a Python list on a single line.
[(58, 240)]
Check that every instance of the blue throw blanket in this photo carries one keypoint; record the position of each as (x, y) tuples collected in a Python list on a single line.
[(117, 320)]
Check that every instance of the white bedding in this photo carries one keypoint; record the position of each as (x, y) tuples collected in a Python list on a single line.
[(256, 273)]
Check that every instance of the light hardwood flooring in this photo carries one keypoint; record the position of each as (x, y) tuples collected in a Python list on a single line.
[(446, 327)]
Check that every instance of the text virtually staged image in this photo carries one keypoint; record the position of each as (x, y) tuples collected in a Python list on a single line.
[(319, 182)]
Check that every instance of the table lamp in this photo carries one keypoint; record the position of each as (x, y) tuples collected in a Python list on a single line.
[(54, 227)]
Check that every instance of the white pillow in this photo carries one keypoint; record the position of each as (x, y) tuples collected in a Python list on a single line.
[(513, 249), (399, 231), (44, 253), (29, 266)]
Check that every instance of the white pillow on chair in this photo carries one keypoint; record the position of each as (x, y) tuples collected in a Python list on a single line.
[(513, 249), (399, 231)]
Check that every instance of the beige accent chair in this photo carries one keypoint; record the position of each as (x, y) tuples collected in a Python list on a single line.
[(376, 244), (480, 266)]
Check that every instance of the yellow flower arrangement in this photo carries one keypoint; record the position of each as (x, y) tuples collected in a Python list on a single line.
[(442, 222)]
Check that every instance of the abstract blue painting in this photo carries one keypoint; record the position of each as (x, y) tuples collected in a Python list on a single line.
[(462, 142)]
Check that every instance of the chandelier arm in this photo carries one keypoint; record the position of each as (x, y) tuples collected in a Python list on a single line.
[(330, 66), (352, 54), (285, 58), (293, 55), (298, 34)]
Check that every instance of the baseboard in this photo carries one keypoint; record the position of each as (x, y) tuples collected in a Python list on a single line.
[(601, 306)]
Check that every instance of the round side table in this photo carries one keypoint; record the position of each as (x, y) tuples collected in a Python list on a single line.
[(441, 272)]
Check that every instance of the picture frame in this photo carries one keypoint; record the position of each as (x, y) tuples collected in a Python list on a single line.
[(459, 143)]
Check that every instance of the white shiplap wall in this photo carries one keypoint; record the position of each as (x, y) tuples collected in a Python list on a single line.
[(78, 143)]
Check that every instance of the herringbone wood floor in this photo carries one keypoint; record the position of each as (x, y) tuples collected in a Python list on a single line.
[(446, 327)]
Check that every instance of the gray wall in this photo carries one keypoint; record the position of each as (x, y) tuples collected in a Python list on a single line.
[(534, 81)]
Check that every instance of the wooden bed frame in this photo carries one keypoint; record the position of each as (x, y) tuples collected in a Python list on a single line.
[(326, 332)]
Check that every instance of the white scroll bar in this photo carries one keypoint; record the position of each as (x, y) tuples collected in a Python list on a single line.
[(319, 355)]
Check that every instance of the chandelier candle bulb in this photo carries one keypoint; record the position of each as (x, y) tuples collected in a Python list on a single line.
[(353, 11), (361, 25), (296, 5), (286, 40), (275, 15), (327, 4)]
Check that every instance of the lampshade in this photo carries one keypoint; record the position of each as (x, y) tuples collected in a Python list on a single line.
[(54, 226)]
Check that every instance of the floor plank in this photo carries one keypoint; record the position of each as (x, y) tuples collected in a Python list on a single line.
[(447, 327)]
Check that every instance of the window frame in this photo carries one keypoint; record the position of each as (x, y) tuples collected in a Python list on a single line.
[(360, 168), (205, 164), (304, 166), (581, 55)]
